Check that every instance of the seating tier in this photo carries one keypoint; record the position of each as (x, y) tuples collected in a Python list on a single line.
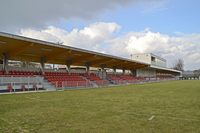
[(64, 79)]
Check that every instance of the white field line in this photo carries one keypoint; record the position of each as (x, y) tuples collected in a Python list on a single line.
[(167, 117), (178, 118), (43, 100), (151, 118), (36, 98), (25, 92)]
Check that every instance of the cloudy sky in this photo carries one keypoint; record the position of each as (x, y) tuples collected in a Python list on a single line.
[(168, 28)]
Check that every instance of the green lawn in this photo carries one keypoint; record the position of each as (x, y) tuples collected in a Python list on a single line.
[(168, 107)]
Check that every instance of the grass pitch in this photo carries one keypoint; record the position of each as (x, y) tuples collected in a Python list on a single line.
[(168, 107)]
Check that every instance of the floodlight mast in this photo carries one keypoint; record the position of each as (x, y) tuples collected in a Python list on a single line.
[(131, 56), (60, 43)]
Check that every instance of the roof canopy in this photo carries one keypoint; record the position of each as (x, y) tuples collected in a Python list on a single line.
[(165, 70), (27, 49)]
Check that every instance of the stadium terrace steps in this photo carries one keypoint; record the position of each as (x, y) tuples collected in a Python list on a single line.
[(48, 86), (115, 79), (51, 79), (18, 83), (16, 80), (93, 84), (1, 72), (124, 79), (66, 80), (96, 79)]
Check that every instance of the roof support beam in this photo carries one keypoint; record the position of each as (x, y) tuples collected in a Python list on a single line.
[(42, 63), (69, 63), (114, 70), (123, 70), (103, 74), (5, 62), (87, 64), (134, 73)]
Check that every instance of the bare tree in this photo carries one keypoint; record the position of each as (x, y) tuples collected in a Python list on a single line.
[(179, 65)]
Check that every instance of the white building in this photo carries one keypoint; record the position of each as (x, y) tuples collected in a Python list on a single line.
[(157, 66)]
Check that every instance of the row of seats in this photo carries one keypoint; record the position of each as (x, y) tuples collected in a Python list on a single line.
[(18, 81), (61, 74), (26, 73), (116, 79), (29, 73), (127, 77), (71, 83), (120, 79), (61, 79), (164, 76), (19, 73), (64, 79), (1, 73), (93, 77)]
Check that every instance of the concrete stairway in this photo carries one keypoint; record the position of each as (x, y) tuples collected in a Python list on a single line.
[(48, 86), (92, 83)]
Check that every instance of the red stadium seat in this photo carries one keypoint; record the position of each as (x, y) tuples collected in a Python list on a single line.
[(64, 79), (96, 79), (121, 79)]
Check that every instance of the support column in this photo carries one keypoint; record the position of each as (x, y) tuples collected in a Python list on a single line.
[(114, 69), (42, 63), (69, 68), (103, 71), (5, 63), (87, 64), (123, 71), (133, 72), (69, 63)]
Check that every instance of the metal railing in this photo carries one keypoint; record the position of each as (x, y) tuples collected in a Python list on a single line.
[(35, 83), (79, 84), (19, 83), (103, 83), (139, 81), (72, 84)]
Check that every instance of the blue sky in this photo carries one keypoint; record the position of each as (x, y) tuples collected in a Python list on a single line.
[(169, 17), (172, 16)]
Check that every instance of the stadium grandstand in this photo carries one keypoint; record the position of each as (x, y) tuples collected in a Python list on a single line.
[(190, 75), (28, 64)]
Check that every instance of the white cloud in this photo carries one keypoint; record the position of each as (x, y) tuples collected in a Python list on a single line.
[(186, 47), (90, 37), (102, 37)]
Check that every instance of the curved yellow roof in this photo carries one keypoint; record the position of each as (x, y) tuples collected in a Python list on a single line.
[(28, 49)]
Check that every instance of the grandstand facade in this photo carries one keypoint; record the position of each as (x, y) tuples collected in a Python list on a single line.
[(157, 68), (23, 66)]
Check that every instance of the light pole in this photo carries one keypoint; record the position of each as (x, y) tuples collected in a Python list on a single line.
[(131, 56)]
